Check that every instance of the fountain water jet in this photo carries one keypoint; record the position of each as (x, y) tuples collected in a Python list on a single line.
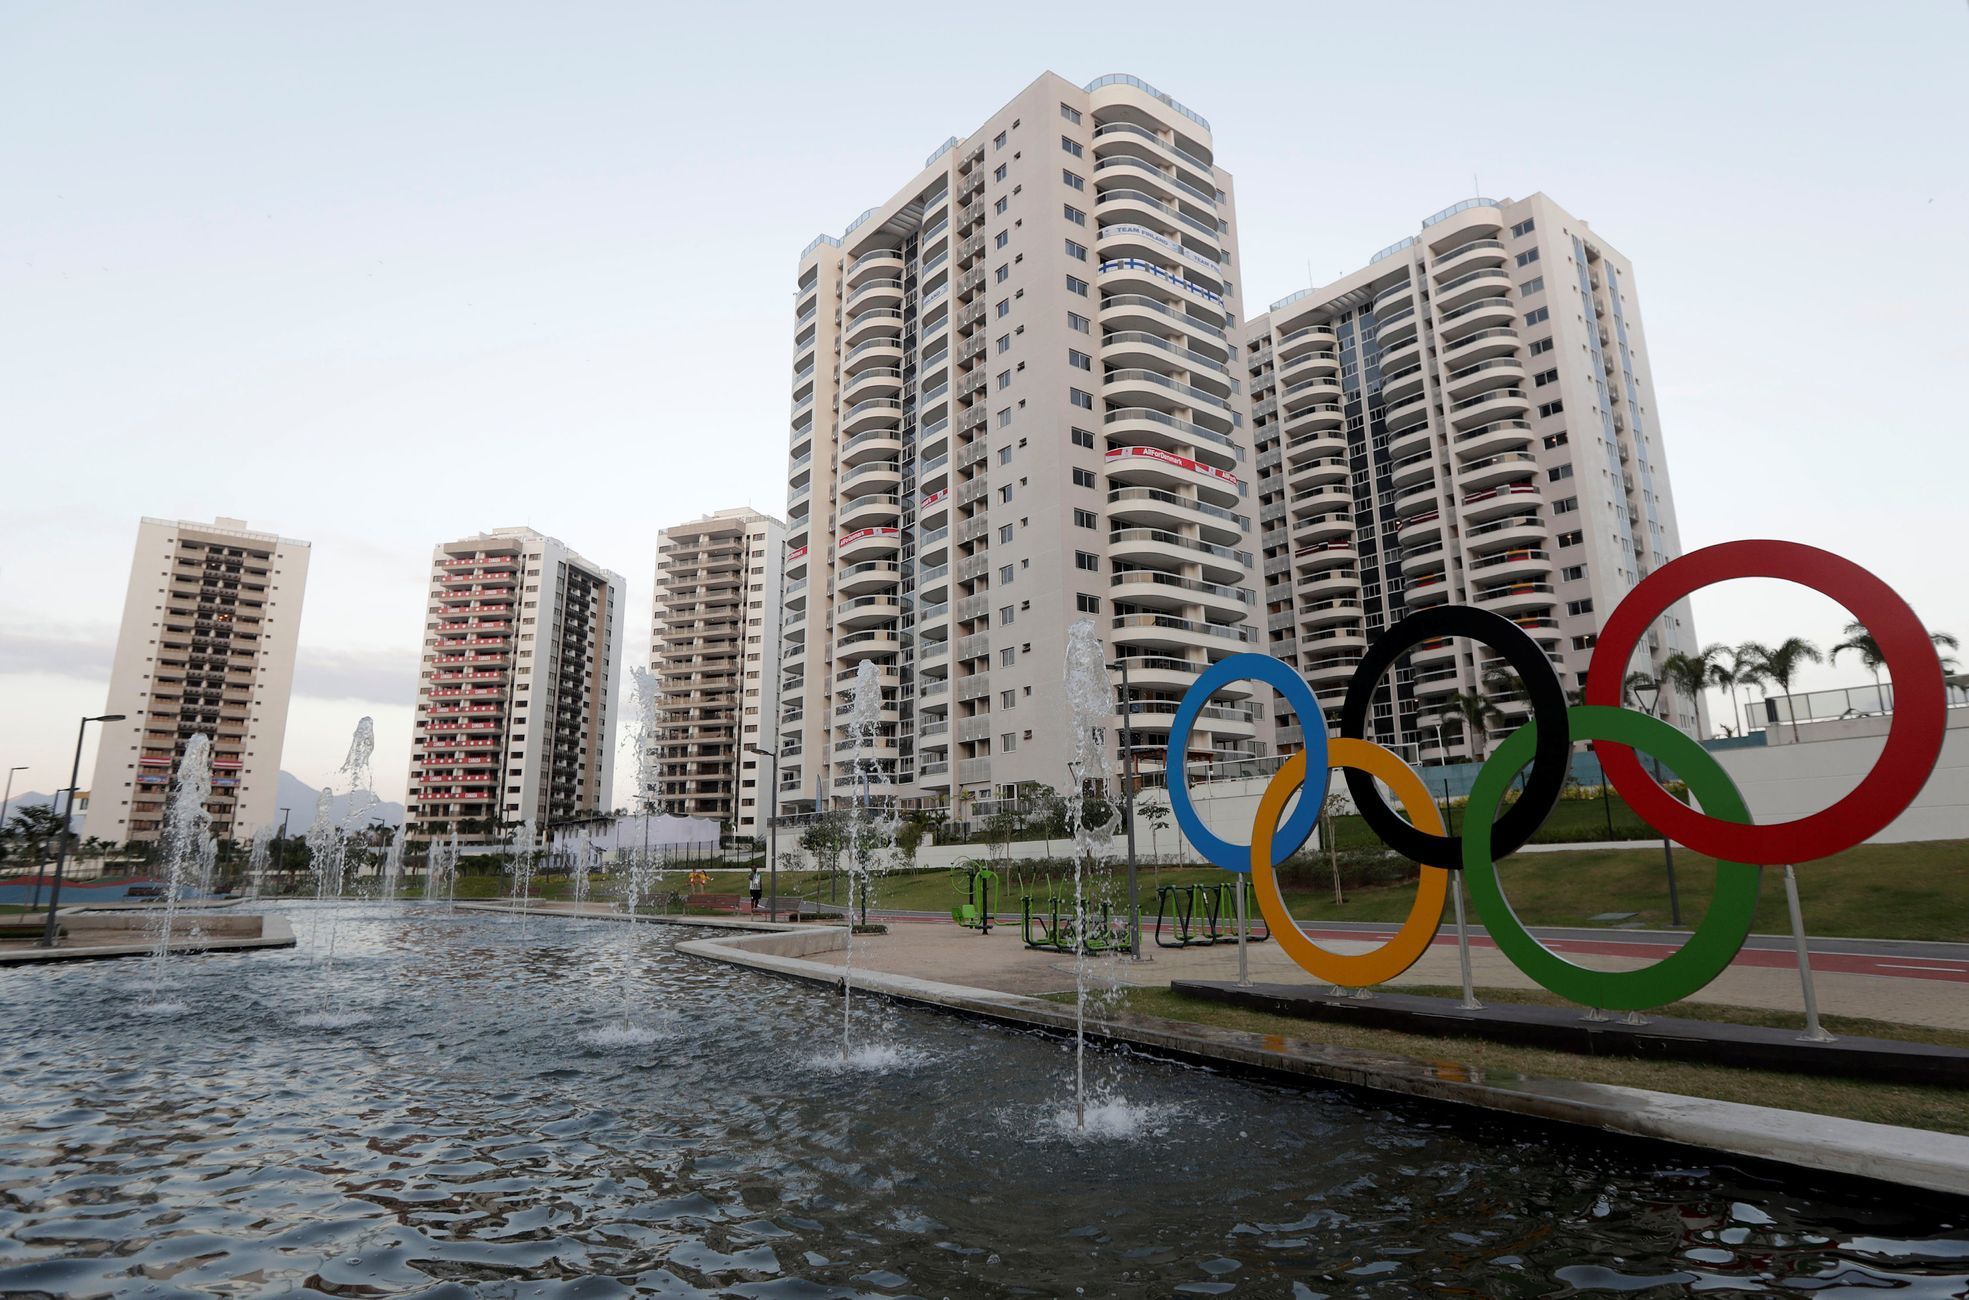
[(392, 867), (257, 859), (1090, 702), (869, 830), (186, 823)]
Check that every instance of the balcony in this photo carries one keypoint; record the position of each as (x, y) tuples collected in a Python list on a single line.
[(1488, 440), (1467, 320), (1157, 548), (1485, 408), (1163, 631), (1493, 503), (1153, 311), (874, 293), (873, 543), (872, 444), (1515, 597), (1307, 339), (1497, 372), (1468, 257), (1505, 467), (875, 323)]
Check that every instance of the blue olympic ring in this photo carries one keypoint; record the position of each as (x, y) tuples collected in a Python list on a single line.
[(1280, 676)]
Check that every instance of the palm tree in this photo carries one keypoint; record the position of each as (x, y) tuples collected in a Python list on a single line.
[(1634, 682), (1688, 674), (1861, 642), (1727, 676), (1476, 713), (1780, 663)]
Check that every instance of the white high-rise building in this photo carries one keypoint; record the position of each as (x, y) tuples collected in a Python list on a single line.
[(714, 648), (1468, 419), (515, 702), (210, 623), (1017, 404)]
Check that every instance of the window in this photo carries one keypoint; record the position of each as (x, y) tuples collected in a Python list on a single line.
[(1077, 322), (998, 276), (1087, 560), (1559, 473), (998, 208), (1083, 477), (1070, 113), (1005, 614), (1572, 572), (1004, 342), (1072, 181), (1008, 699), (1008, 742), (1527, 257), (1008, 656), (1005, 417), (998, 141), (1084, 519), (1004, 379), (1085, 401), (1534, 285), (1551, 408), (999, 175), (1078, 252), (1077, 286), (1565, 505), (1545, 377), (1571, 539), (1079, 360), (1004, 455), (1001, 239), (1523, 228), (1580, 606), (1082, 438), (1075, 215), (1071, 145), (1557, 440), (1004, 534), (1004, 307), (1005, 494), (1534, 317), (1086, 604), (1006, 573), (1539, 347)]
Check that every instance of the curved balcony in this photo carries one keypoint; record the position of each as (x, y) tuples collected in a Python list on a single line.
[(1159, 311), (866, 577), (1321, 499), (1148, 427), (1426, 589), (1401, 385), (1414, 530), (1515, 597), (1133, 467), (1416, 500), (1435, 683), (1305, 470), (854, 647), (1319, 417), (1328, 584), (869, 544), (1333, 640), (874, 444), (1423, 556), (1320, 390), (1337, 611), (881, 352), (1413, 471), (865, 611), (1308, 338), (874, 381), (1399, 294), (1393, 333), (1166, 632), (1396, 356), (1335, 525), (1329, 676), (1136, 387), (1484, 408), (1467, 320), (1505, 467), (1489, 439), (876, 322), (871, 413), (874, 293), (877, 263), (1518, 563), (1127, 201), (1494, 503), (1516, 531), (863, 512), (1318, 361), (1468, 257), (871, 476), (1455, 225), (1168, 591), (1153, 506), (1480, 376), (1319, 444), (1153, 280), (1159, 548), (1481, 346)]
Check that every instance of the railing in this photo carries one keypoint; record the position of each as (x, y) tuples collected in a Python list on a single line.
[(1160, 273), (1227, 632), (1130, 577), (1118, 495), (1165, 538)]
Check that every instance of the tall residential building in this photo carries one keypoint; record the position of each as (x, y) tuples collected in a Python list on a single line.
[(515, 718), (1015, 406), (210, 622), (714, 648), (1470, 418)]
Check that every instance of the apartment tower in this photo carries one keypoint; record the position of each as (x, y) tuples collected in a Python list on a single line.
[(210, 622), (1468, 419), (522, 639), (1015, 406), (714, 649)]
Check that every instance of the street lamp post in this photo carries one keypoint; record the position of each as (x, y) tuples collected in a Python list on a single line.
[(772, 832), (1648, 696), (61, 853), (9, 796)]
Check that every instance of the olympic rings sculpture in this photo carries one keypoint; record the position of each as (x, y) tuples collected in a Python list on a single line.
[(1719, 826)]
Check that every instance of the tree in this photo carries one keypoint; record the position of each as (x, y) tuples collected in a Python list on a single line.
[(1156, 817), (1859, 641), (1635, 682), (1475, 713), (1780, 664), (1688, 674), (34, 829), (1728, 670)]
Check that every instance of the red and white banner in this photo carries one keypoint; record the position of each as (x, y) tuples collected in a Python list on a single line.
[(795, 553), (935, 497), (1171, 458), (860, 533)]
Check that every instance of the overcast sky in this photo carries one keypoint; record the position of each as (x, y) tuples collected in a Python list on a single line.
[(380, 275)]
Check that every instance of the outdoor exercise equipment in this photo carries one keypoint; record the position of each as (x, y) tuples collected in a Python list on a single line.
[(1058, 928), (1200, 915), (980, 898)]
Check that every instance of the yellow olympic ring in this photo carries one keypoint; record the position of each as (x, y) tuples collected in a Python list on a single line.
[(1425, 916)]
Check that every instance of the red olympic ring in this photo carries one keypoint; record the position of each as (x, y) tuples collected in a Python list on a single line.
[(1914, 738)]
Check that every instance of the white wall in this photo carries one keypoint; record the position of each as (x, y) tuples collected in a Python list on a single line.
[(1784, 781)]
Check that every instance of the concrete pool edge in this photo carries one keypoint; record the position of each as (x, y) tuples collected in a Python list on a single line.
[(1882, 1153), (275, 932)]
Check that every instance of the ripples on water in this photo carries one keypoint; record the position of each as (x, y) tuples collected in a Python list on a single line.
[(470, 1108)]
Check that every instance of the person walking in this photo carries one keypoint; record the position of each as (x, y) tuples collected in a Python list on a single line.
[(756, 886)]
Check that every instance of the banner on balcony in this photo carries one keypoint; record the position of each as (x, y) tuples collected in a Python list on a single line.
[(1171, 458)]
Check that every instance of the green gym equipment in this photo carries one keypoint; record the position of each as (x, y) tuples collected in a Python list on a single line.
[(1200, 915), (1059, 929), (980, 889)]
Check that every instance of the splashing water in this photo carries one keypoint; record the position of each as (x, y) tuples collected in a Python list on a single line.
[(392, 867), (186, 823), (208, 866), (1090, 768), (523, 867), (441, 870), (872, 829), (261, 854), (329, 843)]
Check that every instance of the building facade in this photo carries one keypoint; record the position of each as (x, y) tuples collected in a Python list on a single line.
[(1468, 419), (714, 650), (515, 721), (1016, 405), (211, 619)]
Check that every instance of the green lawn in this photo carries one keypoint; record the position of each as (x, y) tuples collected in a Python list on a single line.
[(1936, 1108)]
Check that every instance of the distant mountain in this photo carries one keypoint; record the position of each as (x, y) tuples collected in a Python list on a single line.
[(299, 798)]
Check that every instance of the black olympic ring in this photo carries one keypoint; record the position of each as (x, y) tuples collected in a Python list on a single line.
[(1552, 757)]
